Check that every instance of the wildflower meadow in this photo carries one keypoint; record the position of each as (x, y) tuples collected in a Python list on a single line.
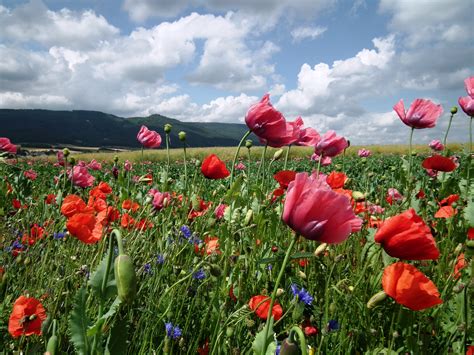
[(334, 253)]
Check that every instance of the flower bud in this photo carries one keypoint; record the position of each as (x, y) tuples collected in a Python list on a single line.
[(458, 249), (126, 278), (320, 249), (248, 143), (116, 159), (182, 136), (168, 128), (52, 345), (376, 299), (459, 287), (66, 152), (358, 196), (301, 274), (229, 331), (280, 291), (278, 154), (454, 110), (72, 160), (248, 217), (289, 348)]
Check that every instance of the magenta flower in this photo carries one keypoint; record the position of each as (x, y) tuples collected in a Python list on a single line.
[(30, 174), (325, 161), (364, 153), (331, 145), (148, 138), (436, 144), (161, 199), (220, 210), (308, 137), (127, 165), (7, 146), (313, 210), (421, 114), (467, 102), (241, 166), (80, 176), (60, 157), (270, 126), (94, 165)]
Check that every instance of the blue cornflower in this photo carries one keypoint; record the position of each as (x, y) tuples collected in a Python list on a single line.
[(174, 332), (59, 235), (277, 350), (147, 268), (199, 275), (269, 267), (160, 259), (302, 295), (333, 325), (186, 231)]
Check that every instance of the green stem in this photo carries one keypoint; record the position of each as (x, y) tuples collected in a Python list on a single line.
[(277, 283), (468, 186), (446, 134), (319, 166), (302, 340), (185, 167), (236, 155), (167, 139), (262, 165), (410, 163), (286, 156)]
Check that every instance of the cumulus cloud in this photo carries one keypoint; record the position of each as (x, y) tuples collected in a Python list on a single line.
[(301, 33)]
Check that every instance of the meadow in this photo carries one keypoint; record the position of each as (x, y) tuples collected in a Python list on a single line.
[(228, 251)]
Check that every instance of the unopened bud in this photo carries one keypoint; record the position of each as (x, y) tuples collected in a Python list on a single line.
[(459, 287), (248, 143), (248, 217), (454, 110), (376, 299), (301, 274), (320, 249), (358, 196), (72, 160), (278, 154), (458, 249), (116, 158), (66, 152), (182, 136), (168, 128), (280, 291)]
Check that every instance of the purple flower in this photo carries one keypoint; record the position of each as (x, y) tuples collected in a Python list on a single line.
[(199, 275), (302, 295)]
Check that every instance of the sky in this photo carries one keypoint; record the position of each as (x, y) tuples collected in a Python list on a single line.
[(339, 64)]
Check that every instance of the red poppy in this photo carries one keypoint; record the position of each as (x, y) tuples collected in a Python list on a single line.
[(143, 224), (200, 210), (448, 201), (72, 204), (284, 177), (410, 287), (336, 180), (50, 199), (214, 168), (204, 349), (406, 236), (470, 350), (26, 318), (127, 221), (130, 205), (86, 226), (470, 233), (439, 163), (261, 304), (445, 212), (460, 264), (212, 246)]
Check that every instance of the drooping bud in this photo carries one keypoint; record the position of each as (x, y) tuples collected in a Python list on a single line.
[(278, 154), (376, 299), (168, 128), (182, 136), (320, 249), (126, 278), (289, 348)]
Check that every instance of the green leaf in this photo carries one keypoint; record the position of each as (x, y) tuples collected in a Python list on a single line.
[(112, 310), (97, 276), (78, 323), (302, 255), (259, 345), (469, 213), (116, 343), (234, 190)]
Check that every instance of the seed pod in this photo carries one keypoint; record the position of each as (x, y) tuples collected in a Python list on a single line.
[(289, 348), (168, 128), (278, 154), (52, 345), (376, 299), (126, 278), (454, 110), (182, 136), (248, 143)]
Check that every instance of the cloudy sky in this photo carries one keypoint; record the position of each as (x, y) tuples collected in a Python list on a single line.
[(338, 64)]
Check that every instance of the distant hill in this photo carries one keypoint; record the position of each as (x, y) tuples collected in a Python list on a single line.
[(47, 128)]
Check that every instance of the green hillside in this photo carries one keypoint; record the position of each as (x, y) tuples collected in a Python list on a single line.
[(47, 128)]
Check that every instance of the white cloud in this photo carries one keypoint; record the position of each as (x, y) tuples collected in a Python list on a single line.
[(301, 33), (14, 99)]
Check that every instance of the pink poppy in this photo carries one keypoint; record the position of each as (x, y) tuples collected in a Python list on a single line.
[(270, 126), (148, 138), (331, 145), (94, 165), (308, 137), (364, 153), (421, 114), (315, 211), (127, 165), (161, 200), (7, 146), (467, 102), (220, 210), (30, 174), (436, 144), (80, 176), (325, 161)]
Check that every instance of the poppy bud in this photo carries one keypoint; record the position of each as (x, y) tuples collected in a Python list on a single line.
[(301, 274), (248, 217), (168, 128), (27, 261), (126, 278), (280, 291), (229, 332), (454, 110), (358, 196), (72, 160), (197, 163), (320, 249), (116, 158), (182, 136), (278, 154), (249, 322), (52, 345), (289, 348), (248, 143), (376, 299), (458, 249), (274, 249), (66, 152), (459, 287), (332, 307)]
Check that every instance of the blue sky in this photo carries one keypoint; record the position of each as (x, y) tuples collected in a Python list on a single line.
[(338, 64)]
